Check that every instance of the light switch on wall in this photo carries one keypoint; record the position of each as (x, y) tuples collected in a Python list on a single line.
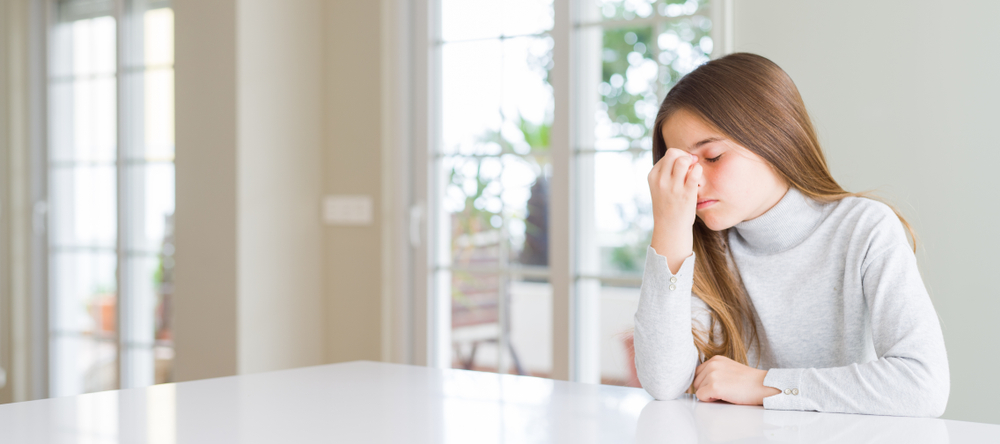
[(347, 210)]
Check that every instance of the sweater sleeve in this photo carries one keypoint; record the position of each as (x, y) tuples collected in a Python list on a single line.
[(910, 376), (665, 354)]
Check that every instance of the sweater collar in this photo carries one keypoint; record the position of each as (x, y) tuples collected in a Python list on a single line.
[(783, 226)]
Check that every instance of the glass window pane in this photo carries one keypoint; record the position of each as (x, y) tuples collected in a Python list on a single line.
[(527, 101), (491, 19), (528, 221), (608, 313), (149, 201), (623, 80), (466, 20), (150, 205), (94, 119), (60, 121), (83, 99), (150, 250), (158, 37), (158, 85), (94, 46), (627, 90), (614, 222), (525, 17), (493, 175), (151, 138), (138, 339), (620, 9), (471, 204), (60, 63), (158, 144), (163, 283), (85, 365), (677, 8), (502, 193), (615, 214), (84, 198), (503, 198), (82, 206), (83, 322), (471, 96), (631, 52), (84, 292), (683, 45), (477, 323), (530, 320), (524, 192), (85, 111), (597, 10), (475, 313)]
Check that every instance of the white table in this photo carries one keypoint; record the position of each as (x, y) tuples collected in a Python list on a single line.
[(367, 402)]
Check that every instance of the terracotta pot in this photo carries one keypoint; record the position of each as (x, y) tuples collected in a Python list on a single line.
[(103, 309)]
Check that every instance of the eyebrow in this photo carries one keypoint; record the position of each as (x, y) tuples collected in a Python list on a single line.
[(708, 140)]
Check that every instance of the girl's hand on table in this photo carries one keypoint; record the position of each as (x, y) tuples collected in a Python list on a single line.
[(723, 379)]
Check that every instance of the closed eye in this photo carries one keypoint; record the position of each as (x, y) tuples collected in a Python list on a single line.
[(714, 159)]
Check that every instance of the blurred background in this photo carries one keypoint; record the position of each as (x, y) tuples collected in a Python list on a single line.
[(195, 189)]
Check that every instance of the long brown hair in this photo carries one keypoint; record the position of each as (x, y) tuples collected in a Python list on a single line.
[(751, 100)]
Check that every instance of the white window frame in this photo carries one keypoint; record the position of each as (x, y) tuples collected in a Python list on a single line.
[(587, 276), (134, 337), (415, 200)]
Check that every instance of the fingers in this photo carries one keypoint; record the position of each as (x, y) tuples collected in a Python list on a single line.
[(699, 375), (705, 368), (693, 179), (680, 170), (674, 153), (671, 169), (704, 388), (706, 394), (664, 164)]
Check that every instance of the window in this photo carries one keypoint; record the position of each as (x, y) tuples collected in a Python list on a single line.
[(493, 163), (110, 194), (493, 107), (630, 54)]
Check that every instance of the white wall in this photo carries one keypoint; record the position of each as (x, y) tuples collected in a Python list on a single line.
[(250, 292), (905, 95), (205, 317), (352, 266), (279, 176)]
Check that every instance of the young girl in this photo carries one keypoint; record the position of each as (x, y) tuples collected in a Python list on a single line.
[(765, 282)]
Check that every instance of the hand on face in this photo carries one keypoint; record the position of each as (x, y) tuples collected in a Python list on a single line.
[(723, 379), (673, 186)]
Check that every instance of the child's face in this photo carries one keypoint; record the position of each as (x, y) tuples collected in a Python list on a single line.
[(742, 184)]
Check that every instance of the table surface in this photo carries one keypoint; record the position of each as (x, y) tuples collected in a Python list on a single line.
[(368, 402)]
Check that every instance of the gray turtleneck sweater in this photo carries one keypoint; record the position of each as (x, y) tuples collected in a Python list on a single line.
[(844, 320)]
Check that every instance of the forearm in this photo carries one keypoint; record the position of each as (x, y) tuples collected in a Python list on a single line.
[(665, 355), (889, 386), (673, 243)]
